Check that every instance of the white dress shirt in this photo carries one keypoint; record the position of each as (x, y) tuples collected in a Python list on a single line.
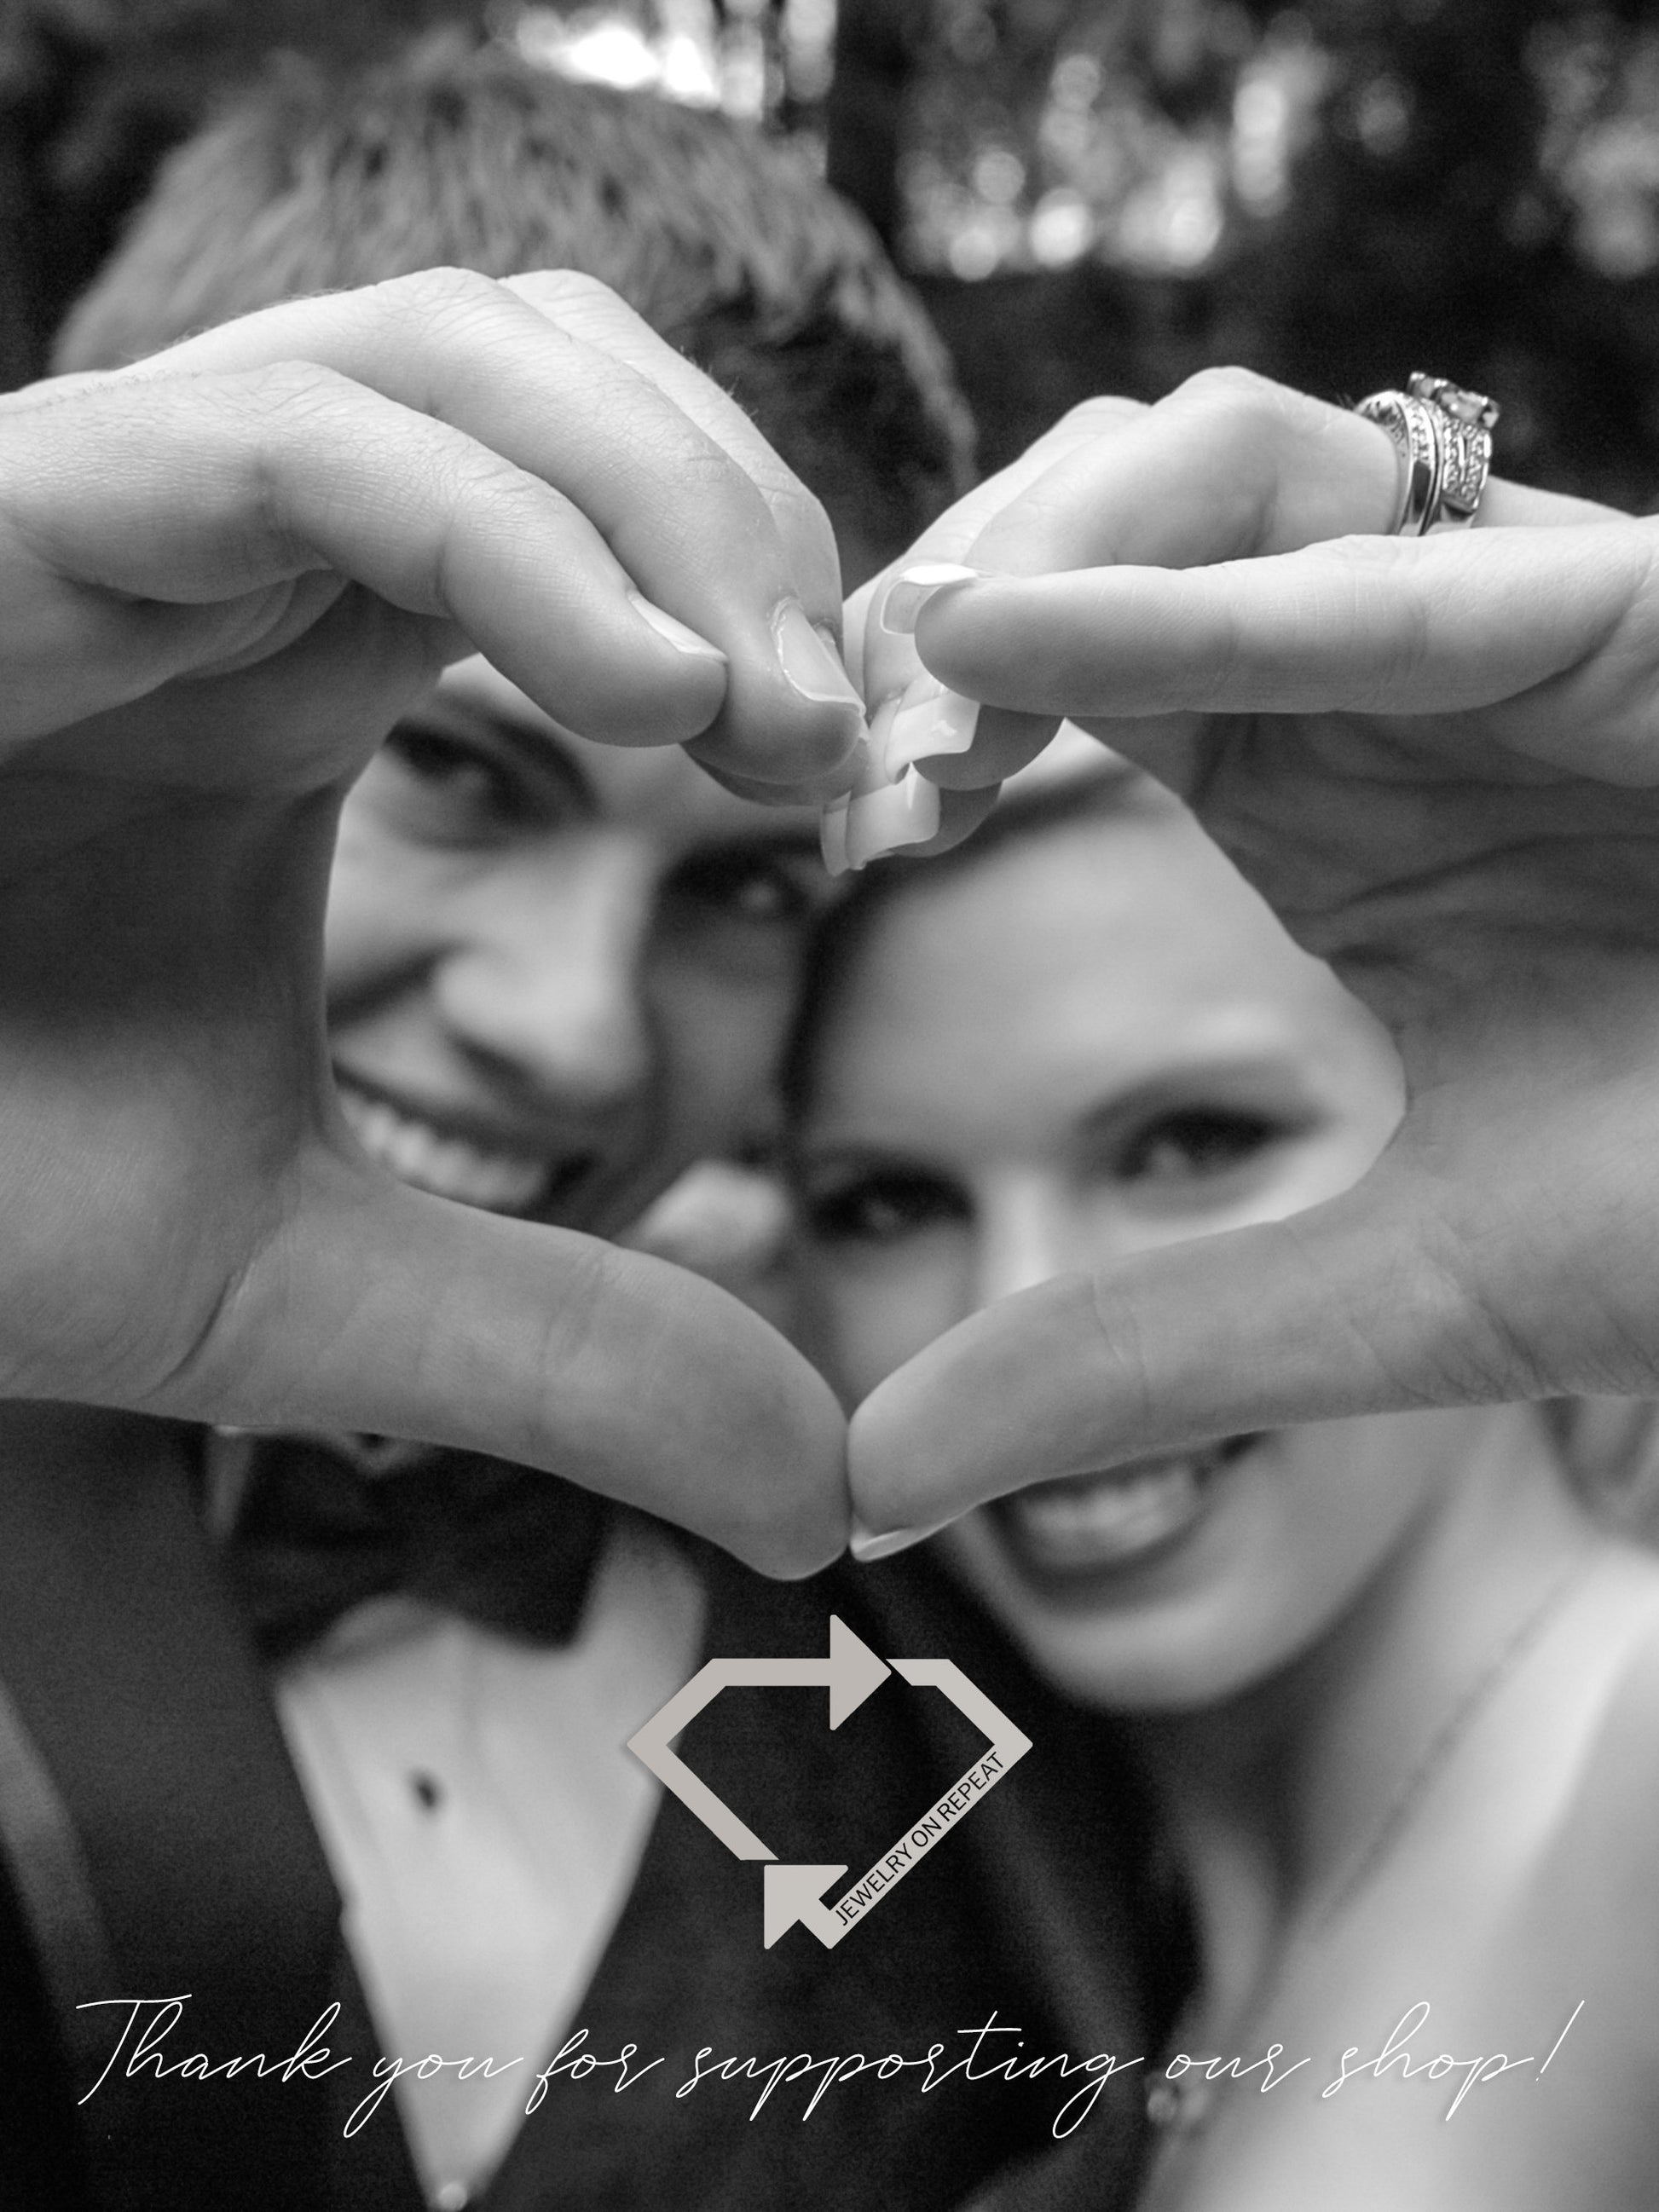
[(485, 1823)]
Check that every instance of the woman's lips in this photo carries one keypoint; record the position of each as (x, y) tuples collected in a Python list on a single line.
[(1088, 1523), (498, 1178)]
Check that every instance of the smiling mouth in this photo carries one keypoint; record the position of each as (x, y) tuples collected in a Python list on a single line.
[(496, 1178), (1088, 1523)]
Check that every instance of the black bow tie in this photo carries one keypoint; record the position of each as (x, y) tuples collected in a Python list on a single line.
[(313, 1535)]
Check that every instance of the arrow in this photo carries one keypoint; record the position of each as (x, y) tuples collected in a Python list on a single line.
[(850, 1673), (794, 1892), (791, 1894)]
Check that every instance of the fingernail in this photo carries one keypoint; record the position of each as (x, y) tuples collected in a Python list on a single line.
[(867, 1547), (898, 814), (881, 722), (911, 589), (682, 639), (832, 837), (810, 661), (929, 720)]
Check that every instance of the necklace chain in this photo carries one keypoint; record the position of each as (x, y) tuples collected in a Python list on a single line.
[(1183, 2106)]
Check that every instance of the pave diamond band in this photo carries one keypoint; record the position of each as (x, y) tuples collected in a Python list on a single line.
[(1443, 437)]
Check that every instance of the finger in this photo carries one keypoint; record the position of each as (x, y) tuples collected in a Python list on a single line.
[(1377, 625), (951, 537), (1003, 741), (214, 490), (1361, 1306), (982, 749), (911, 817), (591, 311), (686, 523), (960, 813), (888, 658), (1228, 466), (384, 1310)]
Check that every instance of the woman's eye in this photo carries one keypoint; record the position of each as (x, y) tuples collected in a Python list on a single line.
[(881, 1209), (756, 889), (1192, 1146)]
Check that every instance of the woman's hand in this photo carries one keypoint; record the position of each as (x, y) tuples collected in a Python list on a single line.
[(1438, 760), (222, 575)]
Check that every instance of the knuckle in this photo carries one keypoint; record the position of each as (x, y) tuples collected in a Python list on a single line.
[(803, 514), (436, 291), (1233, 392), (280, 387), (1103, 412), (434, 308), (567, 287), (1261, 423)]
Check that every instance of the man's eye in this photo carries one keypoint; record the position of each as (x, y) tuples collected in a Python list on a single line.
[(453, 786), (881, 1209), (1199, 1142)]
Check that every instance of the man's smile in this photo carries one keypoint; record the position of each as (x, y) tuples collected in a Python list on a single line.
[(466, 1165)]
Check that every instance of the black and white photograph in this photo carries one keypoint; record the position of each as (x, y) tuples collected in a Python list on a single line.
[(829, 1106)]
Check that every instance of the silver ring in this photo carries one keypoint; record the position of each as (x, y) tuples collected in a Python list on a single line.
[(1442, 434)]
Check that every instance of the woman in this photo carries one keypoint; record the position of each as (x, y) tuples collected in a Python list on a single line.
[(1395, 1688)]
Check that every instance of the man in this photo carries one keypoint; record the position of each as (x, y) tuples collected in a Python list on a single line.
[(555, 971)]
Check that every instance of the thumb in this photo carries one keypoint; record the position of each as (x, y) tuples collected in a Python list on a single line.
[(1356, 1306), (379, 1309)]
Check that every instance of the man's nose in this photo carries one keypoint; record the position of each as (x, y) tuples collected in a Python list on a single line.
[(1027, 1234), (548, 985)]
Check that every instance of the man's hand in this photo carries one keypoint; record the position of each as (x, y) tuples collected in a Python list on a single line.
[(222, 575), (1439, 761)]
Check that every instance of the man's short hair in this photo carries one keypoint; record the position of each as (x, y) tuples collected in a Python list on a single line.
[(468, 156)]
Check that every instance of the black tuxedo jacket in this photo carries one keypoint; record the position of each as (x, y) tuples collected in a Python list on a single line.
[(154, 1845)]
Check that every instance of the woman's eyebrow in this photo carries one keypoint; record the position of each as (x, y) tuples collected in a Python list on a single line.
[(1241, 1082)]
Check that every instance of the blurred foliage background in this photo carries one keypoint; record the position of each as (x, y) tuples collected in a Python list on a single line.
[(1092, 194)]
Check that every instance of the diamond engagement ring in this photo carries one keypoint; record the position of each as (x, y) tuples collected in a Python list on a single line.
[(1443, 436)]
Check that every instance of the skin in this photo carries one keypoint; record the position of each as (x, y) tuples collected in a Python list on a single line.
[(227, 573), (1092, 1043), (1095, 1042), (1436, 760), (566, 952)]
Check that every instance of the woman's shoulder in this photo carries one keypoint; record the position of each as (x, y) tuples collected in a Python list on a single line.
[(1599, 1873), (1619, 1784), (1595, 1691), (1569, 1964)]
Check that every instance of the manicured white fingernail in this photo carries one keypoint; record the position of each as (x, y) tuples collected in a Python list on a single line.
[(911, 589), (929, 720), (898, 814), (810, 661), (881, 722), (832, 837), (682, 639), (866, 1546)]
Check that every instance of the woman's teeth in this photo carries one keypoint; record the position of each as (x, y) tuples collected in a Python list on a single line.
[(448, 1166), (1094, 1521)]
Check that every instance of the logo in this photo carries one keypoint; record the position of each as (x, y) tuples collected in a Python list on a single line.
[(850, 1673)]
